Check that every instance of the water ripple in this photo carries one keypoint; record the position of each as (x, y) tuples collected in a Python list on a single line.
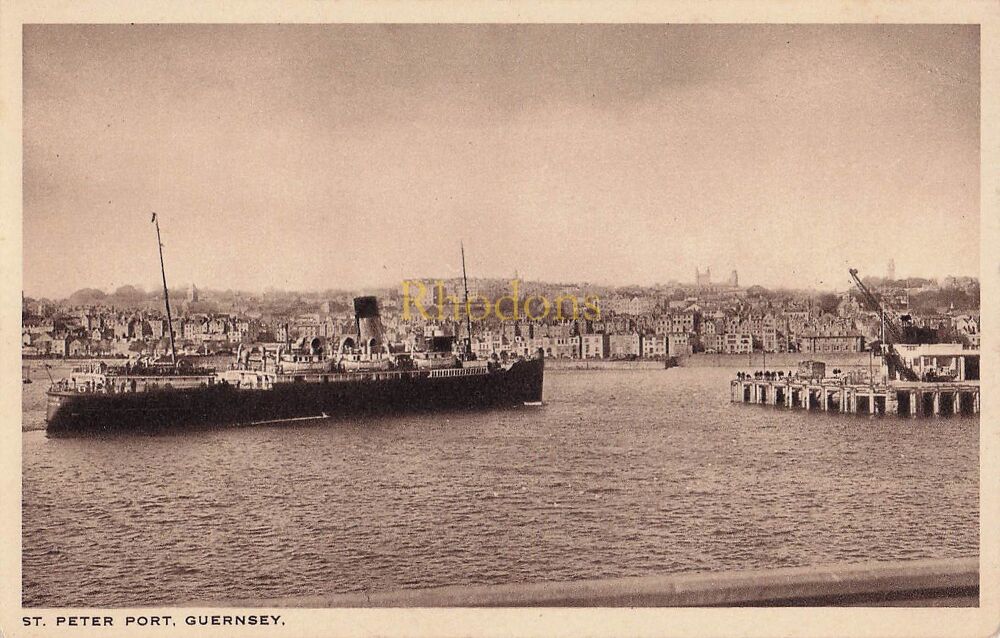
[(621, 473)]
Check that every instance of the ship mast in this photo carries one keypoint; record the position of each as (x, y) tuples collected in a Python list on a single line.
[(468, 313), (166, 295)]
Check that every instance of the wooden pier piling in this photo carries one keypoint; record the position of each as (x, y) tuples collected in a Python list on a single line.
[(905, 398)]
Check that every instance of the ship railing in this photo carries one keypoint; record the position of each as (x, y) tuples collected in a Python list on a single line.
[(122, 384), (458, 372), (377, 375), (346, 377)]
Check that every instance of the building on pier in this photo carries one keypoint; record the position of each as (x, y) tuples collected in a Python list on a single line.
[(939, 361)]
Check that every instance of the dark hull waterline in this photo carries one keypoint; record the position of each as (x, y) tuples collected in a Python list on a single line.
[(225, 405)]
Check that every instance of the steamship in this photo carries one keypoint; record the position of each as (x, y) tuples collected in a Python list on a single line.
[(313, 378)]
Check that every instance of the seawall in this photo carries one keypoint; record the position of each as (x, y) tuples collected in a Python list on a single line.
[(775, 361), (603, 364)]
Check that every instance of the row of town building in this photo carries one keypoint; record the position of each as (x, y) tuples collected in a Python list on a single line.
[(724, 320)]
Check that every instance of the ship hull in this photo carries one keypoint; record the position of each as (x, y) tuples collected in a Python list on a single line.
[(224, 405)]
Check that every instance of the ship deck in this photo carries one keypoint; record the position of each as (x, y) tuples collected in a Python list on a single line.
[(112, 383)]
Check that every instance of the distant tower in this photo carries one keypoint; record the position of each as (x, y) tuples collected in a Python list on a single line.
[(890, 271), (734, 279), (703, 279), (192, 293)]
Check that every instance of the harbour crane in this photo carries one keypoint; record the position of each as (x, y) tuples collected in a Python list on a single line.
[(890, 327)]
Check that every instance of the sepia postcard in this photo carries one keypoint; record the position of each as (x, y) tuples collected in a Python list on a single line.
[(512, 319)]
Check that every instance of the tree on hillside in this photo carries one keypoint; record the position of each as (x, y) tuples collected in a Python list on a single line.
[(941, 300), (828, 303), (86, 297)]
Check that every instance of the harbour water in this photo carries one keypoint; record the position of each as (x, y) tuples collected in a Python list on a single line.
[(620, 473)]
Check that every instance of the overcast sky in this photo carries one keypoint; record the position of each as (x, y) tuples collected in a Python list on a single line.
[(312, 157)]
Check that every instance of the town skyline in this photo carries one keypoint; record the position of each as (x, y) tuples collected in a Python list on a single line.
[(296, 155), (563, 320), (155, 288)]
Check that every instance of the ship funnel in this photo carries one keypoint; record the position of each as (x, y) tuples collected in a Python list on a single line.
[(369, 323)]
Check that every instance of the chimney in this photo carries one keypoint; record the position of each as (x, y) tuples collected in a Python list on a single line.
[(368, 321)]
